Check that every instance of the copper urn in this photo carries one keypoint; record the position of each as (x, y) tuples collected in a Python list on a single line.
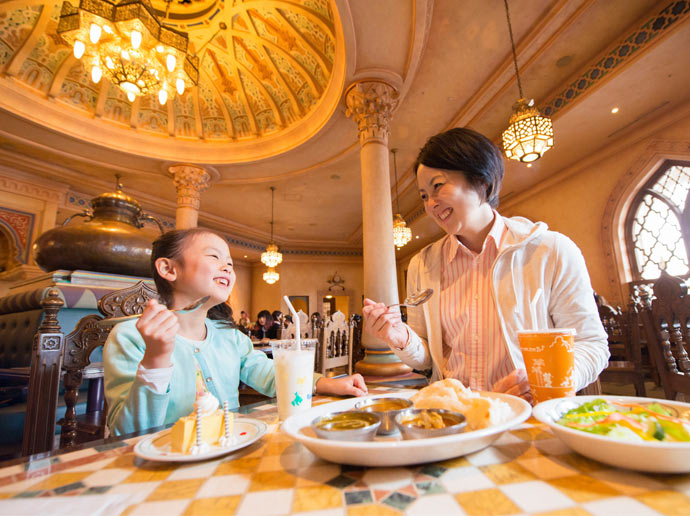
[(109, 240)]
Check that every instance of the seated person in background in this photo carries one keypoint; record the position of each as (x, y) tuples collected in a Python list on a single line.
[(277, 323), (485, 272), (264, 326), (316, 318), (244, 321), (152, 364)]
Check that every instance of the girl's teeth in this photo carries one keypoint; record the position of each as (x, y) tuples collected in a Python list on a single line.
[(445, 214)]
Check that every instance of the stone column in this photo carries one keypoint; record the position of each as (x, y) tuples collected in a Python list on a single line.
[(369, 104), (190, 181)]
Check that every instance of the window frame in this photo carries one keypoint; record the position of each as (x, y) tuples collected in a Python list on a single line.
[(683, 217)]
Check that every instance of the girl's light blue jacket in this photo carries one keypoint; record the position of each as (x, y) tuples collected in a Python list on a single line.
[(225, 357)]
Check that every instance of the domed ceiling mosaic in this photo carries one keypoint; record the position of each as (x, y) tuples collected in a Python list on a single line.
[(264, 66)]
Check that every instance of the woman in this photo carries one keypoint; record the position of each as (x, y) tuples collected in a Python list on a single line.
[(264, 328), (486, 273)]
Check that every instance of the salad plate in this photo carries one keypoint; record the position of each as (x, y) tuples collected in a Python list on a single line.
[(650, 456), (393, 451), (156, 447)]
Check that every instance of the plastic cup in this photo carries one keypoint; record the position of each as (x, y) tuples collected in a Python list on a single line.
[(294, 375), (550, 362)]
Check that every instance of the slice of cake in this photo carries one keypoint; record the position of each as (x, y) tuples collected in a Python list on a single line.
[(183, 434), (214, 430)]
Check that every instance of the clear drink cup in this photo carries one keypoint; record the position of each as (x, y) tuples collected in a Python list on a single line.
[(294, 375), (550, 362)]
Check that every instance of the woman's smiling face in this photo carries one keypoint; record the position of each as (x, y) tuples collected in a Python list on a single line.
[(455, 205)]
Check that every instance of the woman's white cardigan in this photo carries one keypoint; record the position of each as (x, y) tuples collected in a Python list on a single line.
[(531, 257)]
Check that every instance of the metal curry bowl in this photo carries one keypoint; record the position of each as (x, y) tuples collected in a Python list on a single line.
[(387, 409), (350, 425), (411, 421)]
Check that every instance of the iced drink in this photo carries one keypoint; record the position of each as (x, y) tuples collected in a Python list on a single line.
[(550, 362), (294, 375)]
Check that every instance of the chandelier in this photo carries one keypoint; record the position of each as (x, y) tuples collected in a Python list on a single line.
[(271, 276), (401, 233), (123, 40), (271, 257), (529, 134)]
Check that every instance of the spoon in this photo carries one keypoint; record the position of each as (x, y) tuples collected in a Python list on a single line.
[(186, 310), (416, 299)]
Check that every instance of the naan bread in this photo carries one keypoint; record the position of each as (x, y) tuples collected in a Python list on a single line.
[(451, 394)]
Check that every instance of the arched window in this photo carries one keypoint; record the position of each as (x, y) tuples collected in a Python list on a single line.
[(658, 224)]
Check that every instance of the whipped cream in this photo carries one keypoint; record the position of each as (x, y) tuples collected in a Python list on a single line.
[(207, 402)]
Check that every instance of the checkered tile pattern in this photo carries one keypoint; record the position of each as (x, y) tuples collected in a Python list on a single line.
[(527, 471)]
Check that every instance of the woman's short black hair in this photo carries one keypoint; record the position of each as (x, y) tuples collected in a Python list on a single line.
[(469, 153)]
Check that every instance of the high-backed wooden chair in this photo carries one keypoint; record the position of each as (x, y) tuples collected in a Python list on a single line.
[(666, 320), (335, 344), (625, 364), (290, 331), (69, 356)]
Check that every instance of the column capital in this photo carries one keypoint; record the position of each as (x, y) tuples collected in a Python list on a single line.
[(370, 104), (190, 181)]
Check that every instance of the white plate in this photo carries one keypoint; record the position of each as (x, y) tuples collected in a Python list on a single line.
[(157, 446), (398, 452), (654, 457)]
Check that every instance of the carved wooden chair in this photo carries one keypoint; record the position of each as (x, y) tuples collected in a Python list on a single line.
[(69, 356), (290, 330), (625, 364), (666, 319), (335, 343)]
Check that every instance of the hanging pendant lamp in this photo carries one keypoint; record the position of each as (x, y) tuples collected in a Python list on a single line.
[(401, 233), (530, 134), (271, 257)]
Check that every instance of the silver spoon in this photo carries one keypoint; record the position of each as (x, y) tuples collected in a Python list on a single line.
[(416, 299), (186, 310)]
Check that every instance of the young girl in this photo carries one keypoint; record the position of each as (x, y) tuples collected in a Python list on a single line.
[(152, 364)]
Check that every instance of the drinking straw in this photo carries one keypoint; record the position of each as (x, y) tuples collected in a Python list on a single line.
[(294, 318), (533, 308)]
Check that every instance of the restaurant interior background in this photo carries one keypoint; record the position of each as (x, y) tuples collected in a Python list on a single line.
[(270, 110)]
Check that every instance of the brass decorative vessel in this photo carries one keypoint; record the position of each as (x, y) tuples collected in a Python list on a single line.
[(109, 240)]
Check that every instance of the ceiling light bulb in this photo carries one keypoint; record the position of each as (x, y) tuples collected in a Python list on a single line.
[(94, 33), (109, 63), (170, 61), (131, 96), (107, 29), (162, 97), (96, 74), (136, 38), (124, 55), (614, 110), (160, 48), (79, 49), (180, 86)]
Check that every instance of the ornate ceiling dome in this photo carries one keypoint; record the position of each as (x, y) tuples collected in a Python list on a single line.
[(267, 67)]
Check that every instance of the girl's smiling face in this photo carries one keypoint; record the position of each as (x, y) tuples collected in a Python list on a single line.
[(206, 269), (454, 204)]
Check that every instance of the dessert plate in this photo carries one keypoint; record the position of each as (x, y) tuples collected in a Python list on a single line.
[(156, 446), (392, 451)]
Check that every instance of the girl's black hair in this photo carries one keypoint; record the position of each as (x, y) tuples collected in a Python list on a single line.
[(469, 153), (171, 245)]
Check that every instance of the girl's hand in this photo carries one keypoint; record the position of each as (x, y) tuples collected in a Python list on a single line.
[(515, 383), (385, 323), (352, 385), (158, 327)]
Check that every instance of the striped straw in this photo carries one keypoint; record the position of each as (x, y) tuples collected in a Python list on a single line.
[(198, 427), (226, 418)]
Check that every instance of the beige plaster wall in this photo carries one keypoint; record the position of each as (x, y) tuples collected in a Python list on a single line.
[(575, 206), (305, 277)]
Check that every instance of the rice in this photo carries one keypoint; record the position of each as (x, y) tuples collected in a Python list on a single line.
[(451, 394)]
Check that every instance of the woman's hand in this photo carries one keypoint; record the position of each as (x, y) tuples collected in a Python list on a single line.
[(158, 327), (515, 383), (385, 323), (352, 385)]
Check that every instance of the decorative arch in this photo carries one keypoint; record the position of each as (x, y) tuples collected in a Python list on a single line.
[(619, 204)]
